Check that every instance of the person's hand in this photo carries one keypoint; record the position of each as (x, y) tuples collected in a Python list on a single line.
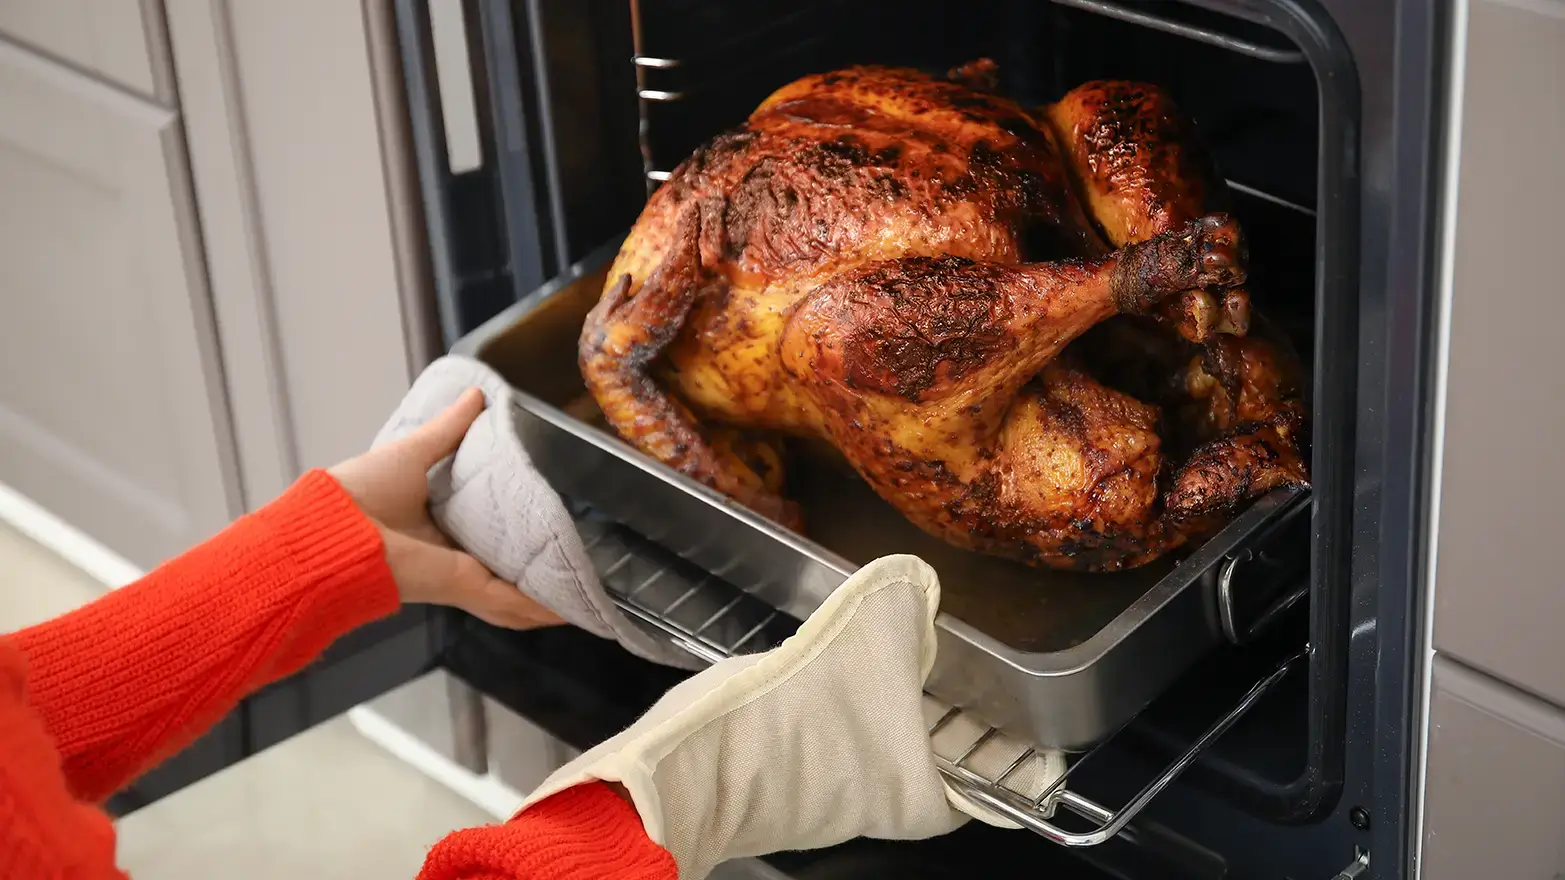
[(391, 485), (817, 741)]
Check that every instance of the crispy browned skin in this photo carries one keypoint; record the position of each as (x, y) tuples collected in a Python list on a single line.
[(1234, 402), (857, 264), (1140, 169), (1232, 381), (831, 171), (923, 371), (1244, 402)]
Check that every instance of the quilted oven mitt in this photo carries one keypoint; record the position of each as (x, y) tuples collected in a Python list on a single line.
[(491, 501)]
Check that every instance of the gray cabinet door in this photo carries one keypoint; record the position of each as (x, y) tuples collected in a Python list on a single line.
[(1500, 591), (1495, 790), (111, 403), (117, 39)]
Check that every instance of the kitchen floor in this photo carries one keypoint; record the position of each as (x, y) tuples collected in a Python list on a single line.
[(326, 804)]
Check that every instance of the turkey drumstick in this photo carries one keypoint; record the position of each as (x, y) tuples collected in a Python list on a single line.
[(1141, 171)]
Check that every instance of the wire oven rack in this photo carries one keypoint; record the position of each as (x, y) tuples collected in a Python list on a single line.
[(713, 620), (648, 64)]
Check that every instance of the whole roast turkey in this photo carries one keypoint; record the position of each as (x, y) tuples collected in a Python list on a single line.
[(900, 263)]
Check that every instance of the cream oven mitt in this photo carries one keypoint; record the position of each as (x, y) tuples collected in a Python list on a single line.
[(492, 502), (822, 739)]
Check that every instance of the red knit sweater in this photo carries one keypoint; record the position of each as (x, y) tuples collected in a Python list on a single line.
[(90, 700)]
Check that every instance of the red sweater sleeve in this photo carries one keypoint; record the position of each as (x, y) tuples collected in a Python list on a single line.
[(133, 677), (91, 699), (583, 833), (44, 832)]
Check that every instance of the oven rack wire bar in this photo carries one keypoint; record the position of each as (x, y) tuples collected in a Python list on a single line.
[(713, 620), (1209, 36), (645, 63)]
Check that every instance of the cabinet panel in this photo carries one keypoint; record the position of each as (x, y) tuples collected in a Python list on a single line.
[(1495, 795), (521, 753), (119, 39), (1501, 591), (443, 713), (111, 409), (311, 221), (324, 213)]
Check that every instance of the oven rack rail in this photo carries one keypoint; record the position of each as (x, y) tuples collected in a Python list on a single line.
[(647, 64), (712, 620)]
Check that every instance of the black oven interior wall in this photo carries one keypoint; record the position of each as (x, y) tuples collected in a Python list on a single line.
[(574, 135)]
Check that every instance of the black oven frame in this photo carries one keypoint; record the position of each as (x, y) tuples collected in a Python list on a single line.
[(520, 97), (530, 212)]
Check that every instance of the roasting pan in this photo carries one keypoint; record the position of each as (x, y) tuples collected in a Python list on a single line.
[(1062, 659)]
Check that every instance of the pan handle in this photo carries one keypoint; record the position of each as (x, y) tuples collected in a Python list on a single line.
[(1037, 815), (1269, 575)]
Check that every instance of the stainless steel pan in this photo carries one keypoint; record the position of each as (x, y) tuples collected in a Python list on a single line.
[(1059, 658)]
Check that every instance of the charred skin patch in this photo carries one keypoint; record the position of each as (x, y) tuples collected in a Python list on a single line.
[(916, 322), (820, 168)]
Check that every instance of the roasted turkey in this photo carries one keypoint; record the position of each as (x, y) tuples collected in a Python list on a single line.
[(905, 265)]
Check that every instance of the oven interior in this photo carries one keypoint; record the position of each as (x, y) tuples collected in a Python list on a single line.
[(583, 108)]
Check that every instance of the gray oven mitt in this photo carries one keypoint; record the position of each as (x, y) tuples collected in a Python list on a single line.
[(495, 505)]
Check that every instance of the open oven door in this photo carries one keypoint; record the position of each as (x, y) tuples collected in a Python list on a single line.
[(357, 668)]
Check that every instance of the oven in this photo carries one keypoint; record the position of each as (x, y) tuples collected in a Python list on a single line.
[(1246, 712), (1276, 742)]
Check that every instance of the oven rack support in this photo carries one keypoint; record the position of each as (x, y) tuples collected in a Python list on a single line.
[(646, 63), (712, 620)]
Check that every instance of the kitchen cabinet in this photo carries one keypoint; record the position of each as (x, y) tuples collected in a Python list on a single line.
[(121, 41), (521, 754), (1494, 791), (112, 407), (212, 279), (1495, 783), (1497, 595), (297, 153)]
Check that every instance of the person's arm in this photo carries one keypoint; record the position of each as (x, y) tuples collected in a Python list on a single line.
[(583, 833), (44, 832), (133, 677), (90, 699)]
